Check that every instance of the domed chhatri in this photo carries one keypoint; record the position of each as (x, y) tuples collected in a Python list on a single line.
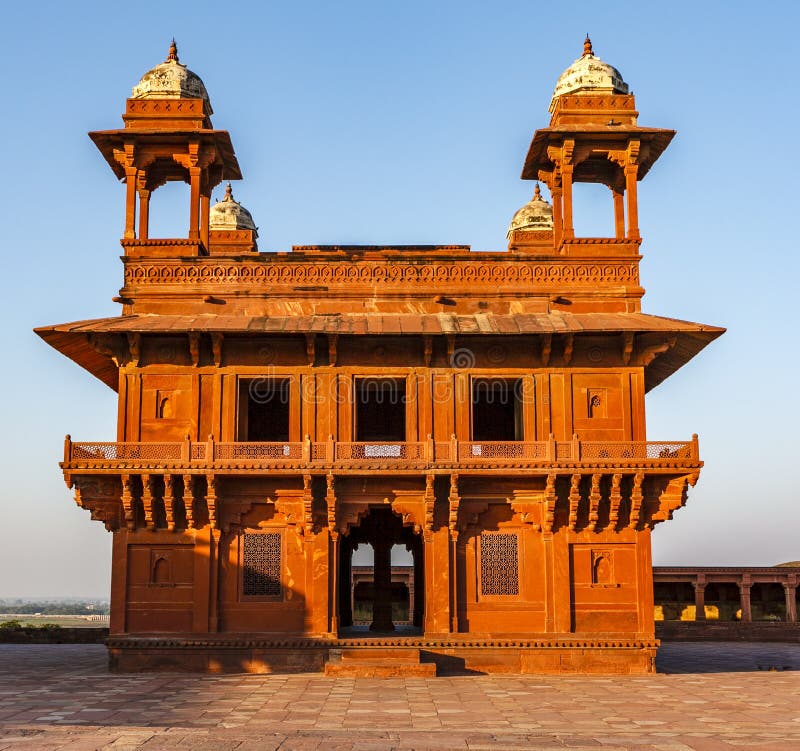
[(230, 214), (589, 73), (535, 215), (171, 80)]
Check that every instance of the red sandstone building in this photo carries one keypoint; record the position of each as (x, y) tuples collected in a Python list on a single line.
[(484, 410)]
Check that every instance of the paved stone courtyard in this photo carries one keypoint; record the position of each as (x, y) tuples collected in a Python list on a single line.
[(707, 697)]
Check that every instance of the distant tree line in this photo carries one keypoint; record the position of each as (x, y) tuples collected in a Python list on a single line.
[(53, 607)]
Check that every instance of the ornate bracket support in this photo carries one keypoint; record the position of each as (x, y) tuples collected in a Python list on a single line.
[(454, 499), (427, 352), (311, 349), (627, 346), (547, 348), (147, 501), (169, 501), (216, 348), (615, 500), (574, 500), (307, 526), (211, 501), (636, 500), (127, 503), (194, 348), (134, 349), (569, 342), (594, 502), (430, 500), (330, 500), (550, 499), (189, 499)]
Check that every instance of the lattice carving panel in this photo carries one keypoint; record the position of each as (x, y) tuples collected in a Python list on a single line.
[(499, 564), (261, 564)]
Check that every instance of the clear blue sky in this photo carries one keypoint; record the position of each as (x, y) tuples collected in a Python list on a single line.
[(371, 122)]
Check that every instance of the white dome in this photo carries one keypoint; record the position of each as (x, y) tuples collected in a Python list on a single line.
[(171, 80), (535, 215), (229, 214), (589, 73)]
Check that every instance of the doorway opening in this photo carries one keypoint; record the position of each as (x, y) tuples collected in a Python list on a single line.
[(380, 410), (381, 577), (496, 410), (263, 410)]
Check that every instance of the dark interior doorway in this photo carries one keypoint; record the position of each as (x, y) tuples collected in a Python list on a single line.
[(380, 409), (496, 410), (263, 410), (387, 603)]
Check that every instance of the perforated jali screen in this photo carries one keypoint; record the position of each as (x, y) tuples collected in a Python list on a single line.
[(261, 561), (499, 564)]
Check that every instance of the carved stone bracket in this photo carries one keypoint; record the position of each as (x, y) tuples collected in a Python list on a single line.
[(651, 353), (311, 349), (454, 500), (627, 346), (574, 500), (169, 501), (594, 501), (194, 348), (127, 502), (636, 500), (189, 498), (330, 500), (547, 348), (211, 500), (134, 349), (430, 501), (615, 499), (307, 526), (550, 499), (333, 346), (216, 348), (147, 501), (569, 341)]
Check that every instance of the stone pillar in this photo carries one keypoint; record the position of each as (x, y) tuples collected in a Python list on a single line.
[(205, 206), (744, 595), (382, 590), (334, 579), (144, 213), (566, 180), (619, 214), (700, 599), (558, 214), (631, 171), (454, 626), (130, 202), (790, 590), (195, 174)]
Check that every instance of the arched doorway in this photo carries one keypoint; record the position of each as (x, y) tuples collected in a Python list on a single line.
[(392, 598)]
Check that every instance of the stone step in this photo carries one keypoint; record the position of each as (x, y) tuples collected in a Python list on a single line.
[(380, 669), (348, 654)]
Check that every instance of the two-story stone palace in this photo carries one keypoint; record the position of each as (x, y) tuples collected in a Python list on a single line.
[(484, 410)]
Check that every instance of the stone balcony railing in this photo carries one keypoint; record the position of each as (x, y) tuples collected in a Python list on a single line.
[(319, 456)]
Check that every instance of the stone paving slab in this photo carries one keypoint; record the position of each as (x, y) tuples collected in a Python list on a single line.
[(706, 697)]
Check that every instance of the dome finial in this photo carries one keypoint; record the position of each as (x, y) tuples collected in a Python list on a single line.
[(537, 193), (173, 52), (228, 193), (587, 46)]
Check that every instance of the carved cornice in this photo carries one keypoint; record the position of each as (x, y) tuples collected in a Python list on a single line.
[(259, 275)]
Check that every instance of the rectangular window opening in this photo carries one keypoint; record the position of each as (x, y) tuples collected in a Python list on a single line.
[(496, 410), (263, 410), (380, 409)]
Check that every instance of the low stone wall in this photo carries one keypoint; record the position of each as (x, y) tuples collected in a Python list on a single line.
[(59, 635), (727, 631)]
